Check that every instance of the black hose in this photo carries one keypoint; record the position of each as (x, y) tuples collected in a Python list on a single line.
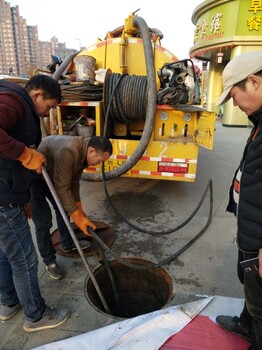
[(128, 95), (173, 256), (155, 233), (136, 156), (111, 276), (148, 128), (81, 92), (110, 102)]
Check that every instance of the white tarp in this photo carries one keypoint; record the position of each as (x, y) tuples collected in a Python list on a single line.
[(150, 331)]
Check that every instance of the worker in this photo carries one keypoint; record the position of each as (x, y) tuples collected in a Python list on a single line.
[(20, 134), (242, 81), (67, 157)]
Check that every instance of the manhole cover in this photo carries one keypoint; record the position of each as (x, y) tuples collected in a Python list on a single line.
[(137, 292), (104, 232)]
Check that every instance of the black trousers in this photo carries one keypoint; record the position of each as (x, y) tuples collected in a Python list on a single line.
[(42, 218), (252, 312)]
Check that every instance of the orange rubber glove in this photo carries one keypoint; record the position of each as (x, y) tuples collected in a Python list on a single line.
[(31, 159), (82, 222), (79, 206)]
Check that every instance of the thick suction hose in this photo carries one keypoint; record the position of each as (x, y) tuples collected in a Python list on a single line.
[(62, 68), (151, 109)]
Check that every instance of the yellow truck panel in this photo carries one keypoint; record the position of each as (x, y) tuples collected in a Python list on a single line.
[(178, 129), (162, 166)]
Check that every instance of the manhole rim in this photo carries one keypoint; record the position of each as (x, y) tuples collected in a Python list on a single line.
[(131, 260)]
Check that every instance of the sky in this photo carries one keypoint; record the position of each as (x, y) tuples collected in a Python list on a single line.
[(84, 21)]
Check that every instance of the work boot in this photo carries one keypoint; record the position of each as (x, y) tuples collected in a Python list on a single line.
[(234, 325), (52, 317), (7, 312), (54, 271), (71, 246)]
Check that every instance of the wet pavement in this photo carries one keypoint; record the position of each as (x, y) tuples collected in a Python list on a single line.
[(207, 267)]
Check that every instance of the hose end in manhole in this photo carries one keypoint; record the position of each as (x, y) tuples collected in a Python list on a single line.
[(133, 292)]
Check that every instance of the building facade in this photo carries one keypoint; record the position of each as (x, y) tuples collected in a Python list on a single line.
[(223, 30), (8, 62), (21, 52)]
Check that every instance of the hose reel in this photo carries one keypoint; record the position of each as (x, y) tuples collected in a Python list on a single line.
[(129, 99)]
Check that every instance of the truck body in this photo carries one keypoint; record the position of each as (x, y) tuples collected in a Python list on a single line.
[(178, 130)]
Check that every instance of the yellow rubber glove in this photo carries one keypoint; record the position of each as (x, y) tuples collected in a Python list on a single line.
[(79, 206), (82, 222), (31, 159)]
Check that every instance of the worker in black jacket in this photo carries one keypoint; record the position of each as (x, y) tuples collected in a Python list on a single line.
[(242, 81), (20, 135)]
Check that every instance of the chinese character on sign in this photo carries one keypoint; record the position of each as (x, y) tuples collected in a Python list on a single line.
[(203, 28), (254, 22), (196, 33), (215, 23), (255, 6)]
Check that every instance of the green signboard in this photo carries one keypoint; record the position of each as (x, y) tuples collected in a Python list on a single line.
[(227, 19)]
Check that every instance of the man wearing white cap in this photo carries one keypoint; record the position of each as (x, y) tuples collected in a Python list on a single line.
[(242, 81)]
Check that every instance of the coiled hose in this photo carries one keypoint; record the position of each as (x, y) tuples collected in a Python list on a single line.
[(129, 99)]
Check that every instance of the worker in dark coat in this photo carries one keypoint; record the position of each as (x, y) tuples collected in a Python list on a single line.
[(67, 157), (242, 81), (20, 135)]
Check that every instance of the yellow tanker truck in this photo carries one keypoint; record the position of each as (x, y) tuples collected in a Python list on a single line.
[(150, 105)]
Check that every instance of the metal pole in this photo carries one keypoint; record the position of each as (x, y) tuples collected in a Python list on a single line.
[(71, 231)]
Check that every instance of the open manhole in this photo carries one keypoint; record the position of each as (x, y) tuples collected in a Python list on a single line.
[(137, 291), (105, 232)]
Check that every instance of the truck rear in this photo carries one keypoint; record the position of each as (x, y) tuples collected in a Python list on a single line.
[(179, 124)]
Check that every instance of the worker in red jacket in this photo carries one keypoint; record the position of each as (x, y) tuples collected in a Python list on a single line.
[(20, 135)]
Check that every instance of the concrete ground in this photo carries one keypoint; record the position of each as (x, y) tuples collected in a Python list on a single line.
[(208, 267)]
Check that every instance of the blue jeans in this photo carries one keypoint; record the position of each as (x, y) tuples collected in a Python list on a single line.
[(18, 263), (42, 218)]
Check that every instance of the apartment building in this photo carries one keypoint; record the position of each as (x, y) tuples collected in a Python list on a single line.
[(8, 56), (21, 52)]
